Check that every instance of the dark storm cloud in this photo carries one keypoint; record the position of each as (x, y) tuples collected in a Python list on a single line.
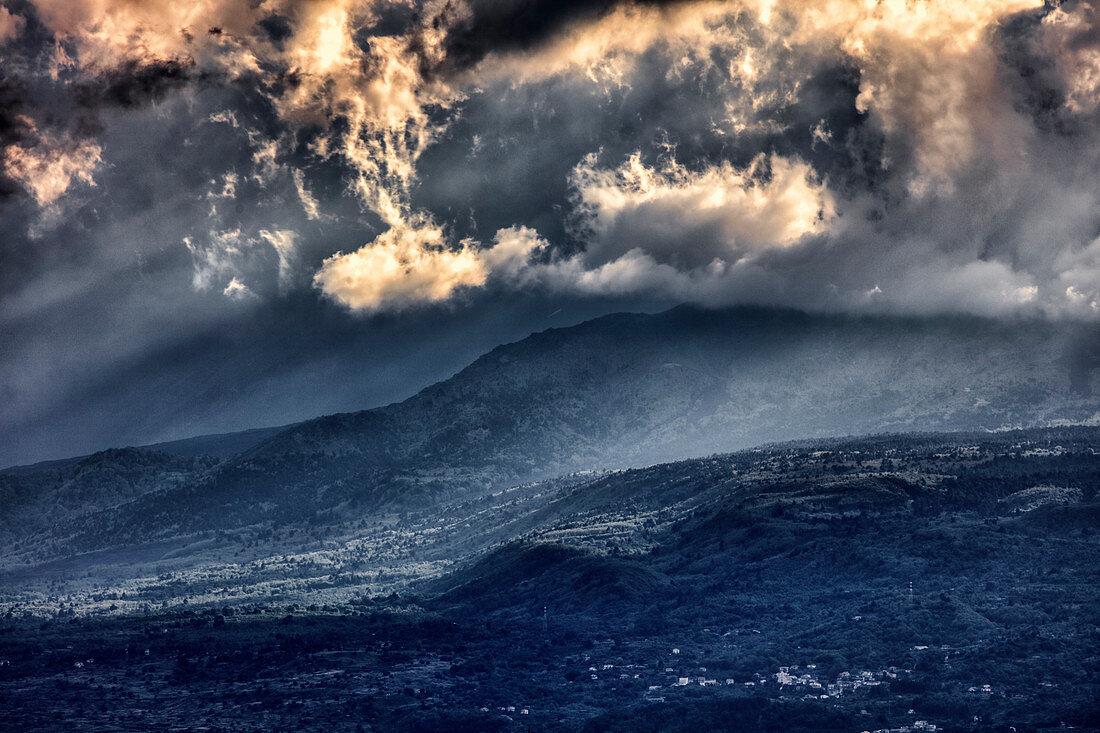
[(218, 224), (477, 28), (480, 175), (135, 83), (14, 129)]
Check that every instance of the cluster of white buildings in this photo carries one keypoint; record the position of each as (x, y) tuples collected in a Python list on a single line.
[(608, 671), (510, 709), (793, 676), (845, 682), (790, 676), (701, 681), (916, 727)]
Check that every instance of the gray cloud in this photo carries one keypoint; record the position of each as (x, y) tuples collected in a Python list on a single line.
[(256, 167)]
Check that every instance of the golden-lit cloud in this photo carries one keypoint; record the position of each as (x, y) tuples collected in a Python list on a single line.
[(723, 212), (404, 265), (666, 230), (410, 263), (928, 70), (48, 167), (105, 33), (376, 90), (606, 51), (929, 75), (350, 87)]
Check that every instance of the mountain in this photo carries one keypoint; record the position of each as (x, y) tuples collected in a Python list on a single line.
[(66, 490), (626, 389), (220, 445), (630, 389)]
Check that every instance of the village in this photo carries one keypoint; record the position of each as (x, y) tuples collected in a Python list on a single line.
[(678, 673)]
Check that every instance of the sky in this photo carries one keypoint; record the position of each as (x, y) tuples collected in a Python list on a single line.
[(222, 214)]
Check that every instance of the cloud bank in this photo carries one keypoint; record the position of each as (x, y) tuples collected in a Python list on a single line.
[(832, 154)]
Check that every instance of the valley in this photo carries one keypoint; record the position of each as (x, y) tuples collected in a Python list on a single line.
[(701, 590)]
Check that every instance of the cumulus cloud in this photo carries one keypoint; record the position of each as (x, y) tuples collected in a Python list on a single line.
[(49, 167), (410, 263), (1071, 31), (695, 218), (986, 288), (929, 76), (237, 290), (406, 264), (636, 272), (105, 33), (1079, 271)]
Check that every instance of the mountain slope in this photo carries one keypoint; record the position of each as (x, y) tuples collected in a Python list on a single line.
[(632, 389), (844, 584), (219, 445), (73, 491), (626, 389)]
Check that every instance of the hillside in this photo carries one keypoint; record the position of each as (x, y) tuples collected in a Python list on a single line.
[(220, 446), (843, 584), (73, 490), (622, 390), (630, 389)]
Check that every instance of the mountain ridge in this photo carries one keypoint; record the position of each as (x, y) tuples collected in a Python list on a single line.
[(621, 390), (213, 445)]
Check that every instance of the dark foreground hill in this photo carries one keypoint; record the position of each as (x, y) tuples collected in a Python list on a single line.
[(897, 582), (623, 390)]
